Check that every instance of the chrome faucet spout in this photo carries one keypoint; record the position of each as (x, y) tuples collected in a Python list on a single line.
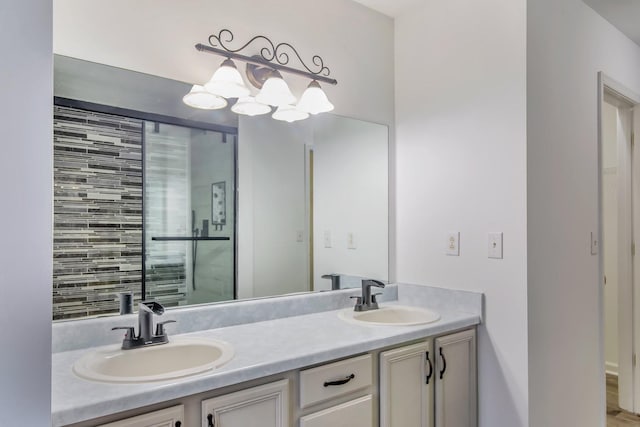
[(146, 336), (368, 301)]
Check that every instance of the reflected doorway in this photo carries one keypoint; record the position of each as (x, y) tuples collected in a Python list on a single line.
[(619, 225)]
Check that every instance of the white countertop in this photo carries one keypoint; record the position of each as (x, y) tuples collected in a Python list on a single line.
[(261, 349)]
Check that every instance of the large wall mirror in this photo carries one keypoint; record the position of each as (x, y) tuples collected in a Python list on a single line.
[(186, 206)]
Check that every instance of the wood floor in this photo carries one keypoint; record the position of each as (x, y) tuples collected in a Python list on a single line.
[(615, 416)]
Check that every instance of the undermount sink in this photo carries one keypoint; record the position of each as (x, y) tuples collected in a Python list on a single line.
[(392, 315), (181, 357)]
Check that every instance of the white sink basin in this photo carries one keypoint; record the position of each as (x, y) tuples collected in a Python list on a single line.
[(391, 315), (181, 357)]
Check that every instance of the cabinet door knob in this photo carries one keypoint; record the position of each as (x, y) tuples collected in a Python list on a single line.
[(444, 364), (212, 422), (339, 382), (430, 367), (178, 424)]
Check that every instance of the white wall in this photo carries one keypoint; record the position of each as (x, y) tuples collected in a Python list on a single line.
[(610, 234), (157, 37), (350, 196), (461, 147), (26, 182), (568, 43)]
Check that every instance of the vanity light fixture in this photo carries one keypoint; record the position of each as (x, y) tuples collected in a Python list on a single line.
[(227, 81), (314, 100), (199, 97), (289, 113), (264, 72), (250, 107)]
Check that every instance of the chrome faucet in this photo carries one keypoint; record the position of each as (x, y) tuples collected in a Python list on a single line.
[(368, 301), (145, 337), (335, 280)]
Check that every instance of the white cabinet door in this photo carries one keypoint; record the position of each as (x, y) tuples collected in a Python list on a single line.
[(263, 406), (456, 392), (407, 375), (170, 417), (356, 413)]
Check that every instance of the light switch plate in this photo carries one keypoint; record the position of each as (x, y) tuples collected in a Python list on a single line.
[(299, 236), (327, 239), (494, 248), (453, 243), (351, 241)]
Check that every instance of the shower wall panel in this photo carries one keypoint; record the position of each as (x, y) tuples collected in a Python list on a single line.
[(97, 211)]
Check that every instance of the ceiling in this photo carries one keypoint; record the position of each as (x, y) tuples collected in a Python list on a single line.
[(390, 8), (623, 14)]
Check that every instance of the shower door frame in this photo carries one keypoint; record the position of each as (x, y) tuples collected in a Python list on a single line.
[(169, 120)]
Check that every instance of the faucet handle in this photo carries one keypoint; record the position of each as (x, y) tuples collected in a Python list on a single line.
[(373, 297), (130, 331), (160, 327)]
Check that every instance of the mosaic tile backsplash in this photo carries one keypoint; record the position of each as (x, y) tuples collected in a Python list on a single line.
[(97, 211)]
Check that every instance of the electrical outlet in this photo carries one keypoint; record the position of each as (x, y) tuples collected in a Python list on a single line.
[(495, 245), (453, 243), (351, 241), (327, 239)]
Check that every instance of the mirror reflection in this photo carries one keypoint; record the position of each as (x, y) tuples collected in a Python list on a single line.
[(185, 206)]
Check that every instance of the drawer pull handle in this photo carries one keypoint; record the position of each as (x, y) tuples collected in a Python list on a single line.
[(211, 421), (339, 382)]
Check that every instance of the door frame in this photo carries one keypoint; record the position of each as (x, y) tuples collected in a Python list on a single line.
[(628, 203)]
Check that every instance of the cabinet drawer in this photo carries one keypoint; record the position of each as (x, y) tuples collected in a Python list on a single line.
[(334, 379), (170, 417), (356, 413)]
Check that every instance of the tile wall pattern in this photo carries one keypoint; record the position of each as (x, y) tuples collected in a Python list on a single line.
[(97, 211)]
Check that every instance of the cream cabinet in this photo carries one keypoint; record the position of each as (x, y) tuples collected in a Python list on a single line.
[(406, 386), (455, 386), (170, 417), (431, 383), (262, 406)]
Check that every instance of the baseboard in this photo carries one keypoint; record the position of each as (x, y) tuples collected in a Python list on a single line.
[(611, 368)]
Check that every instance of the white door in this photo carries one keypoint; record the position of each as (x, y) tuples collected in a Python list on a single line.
[(407, 375), (170, 417), (456, 393), (263, 406), (620, 228)]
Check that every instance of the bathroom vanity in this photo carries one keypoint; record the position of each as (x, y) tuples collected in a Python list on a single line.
[(297, 362)]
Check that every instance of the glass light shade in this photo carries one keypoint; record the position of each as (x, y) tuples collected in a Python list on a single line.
[(275, 91), (314, 100), (250, 107), (289, 113), (198, 97), (227, 82)]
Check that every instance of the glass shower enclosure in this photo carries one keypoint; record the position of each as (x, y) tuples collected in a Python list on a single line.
[(189, 214)]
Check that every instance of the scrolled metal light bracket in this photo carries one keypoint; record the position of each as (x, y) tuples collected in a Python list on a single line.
[(272, 57)]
